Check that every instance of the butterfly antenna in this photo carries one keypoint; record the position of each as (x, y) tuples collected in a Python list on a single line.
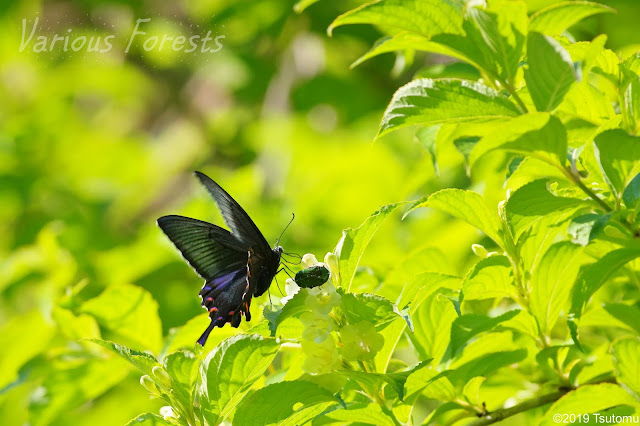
[(293, 216)]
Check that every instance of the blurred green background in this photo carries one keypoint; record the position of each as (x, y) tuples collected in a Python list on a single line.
[(95, 146)]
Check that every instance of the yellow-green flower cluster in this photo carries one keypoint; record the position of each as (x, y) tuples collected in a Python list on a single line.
[(359, 342), (318, 345)]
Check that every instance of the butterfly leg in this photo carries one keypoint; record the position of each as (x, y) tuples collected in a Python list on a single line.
[(283, 269)]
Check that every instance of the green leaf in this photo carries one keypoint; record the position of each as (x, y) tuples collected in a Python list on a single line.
[(588, 399), (619, 157), (12, 334), (69, 383), (285, 403), (424, 17), (75, 327), (592, 278), (361, 413), (631, 194), (421, 286), (427, 137), (539, 135), (429, 102), (631, 105), (404, 41), (141, 360), (586, 227), (550, 73), (370, 307), (626, 360), (471, 391), (465, 145), (417, 289), (498, 36), (148, 419), (469, 325), (482, 366), (551, 283), (372, 383), (301, 5), (228, 372), (556, 18), (628, 315), (465, 205), (489, 278), (432, 321), (533, 203), (129, 315), (351, 246), (293, 309), (182, 366)]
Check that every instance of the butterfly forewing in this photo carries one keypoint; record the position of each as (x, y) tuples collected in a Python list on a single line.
[(210, 250), (234, 216)]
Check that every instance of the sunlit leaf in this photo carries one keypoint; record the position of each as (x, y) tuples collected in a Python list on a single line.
[(129, 315), (588, 399), (468, 206), (619, 157), (424, 17), (148, 419), (370, 307), (228, 372), (537, 134), (552, 281), (482, 366), (429, 102), (372, 383), (557, 17), (469, 325), (490, 278), (285, 403), (550, 73), (585, 228), (361, 413), (12, 334), (533, 202), (626, 359), (141, 360), (631, 194), (351, 246), (592, 278)]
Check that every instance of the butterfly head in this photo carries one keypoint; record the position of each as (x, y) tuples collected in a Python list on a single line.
[(279, 250)]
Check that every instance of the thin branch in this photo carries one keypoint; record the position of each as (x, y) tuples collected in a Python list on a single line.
[(503, 413)]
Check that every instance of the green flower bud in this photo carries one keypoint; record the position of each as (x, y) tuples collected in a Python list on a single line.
[(148, 383), (161, 376), (331, 260), (479, 250)]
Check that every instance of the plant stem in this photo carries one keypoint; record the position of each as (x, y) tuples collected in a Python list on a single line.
[(576, 179), (512, 91), (503, 413)]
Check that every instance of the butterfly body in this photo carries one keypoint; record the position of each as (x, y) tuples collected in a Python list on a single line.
[(236, 265)]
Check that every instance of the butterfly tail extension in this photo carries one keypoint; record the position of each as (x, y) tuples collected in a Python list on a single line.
[(203, 339)]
